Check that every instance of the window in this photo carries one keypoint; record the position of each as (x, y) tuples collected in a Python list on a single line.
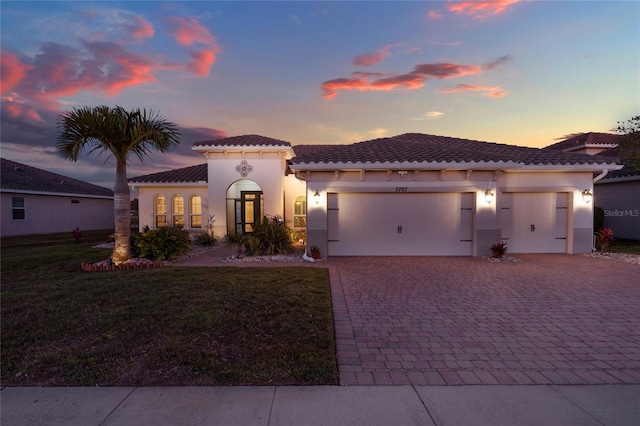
[(178, 211), (196, 212), (18, 206), (161, 211), (300, 212)]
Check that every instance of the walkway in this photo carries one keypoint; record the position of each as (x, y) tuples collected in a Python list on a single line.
[(324, 405)]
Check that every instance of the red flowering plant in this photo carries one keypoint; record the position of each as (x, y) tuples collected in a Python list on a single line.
[(77, 234), (603, 238)]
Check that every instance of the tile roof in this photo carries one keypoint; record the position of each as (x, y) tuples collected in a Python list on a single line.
[(421, 148), (303, 150), (244, 140), (625, 172), (191, 174), (20, 177), (606, 140)]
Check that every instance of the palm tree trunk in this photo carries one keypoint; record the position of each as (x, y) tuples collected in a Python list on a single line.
[(122, 214)]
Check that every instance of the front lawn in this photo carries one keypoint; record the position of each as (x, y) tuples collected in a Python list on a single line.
[(624, 246), (165, 326)]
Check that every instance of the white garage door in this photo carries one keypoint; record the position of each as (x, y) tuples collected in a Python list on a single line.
[(400, 224), (535, 222)]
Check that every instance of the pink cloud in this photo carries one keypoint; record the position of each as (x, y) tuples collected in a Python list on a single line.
[(114, 68), (12, 71), (141, 28), (202, 62), (331, 87), (369, 59), (481, 9), (491, 91), (410, 81), (435, 15), (20, 111), (60, 70), (188, 31)]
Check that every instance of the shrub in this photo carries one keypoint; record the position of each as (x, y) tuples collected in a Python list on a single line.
[(270, 236), (206, 238), (164, 243), (273, 236), (499, 249), (603, 238), (235, 239), (252, 245)]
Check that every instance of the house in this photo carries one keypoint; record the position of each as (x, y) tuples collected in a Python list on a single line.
[(616, 192), (34, 201), (412, 194)]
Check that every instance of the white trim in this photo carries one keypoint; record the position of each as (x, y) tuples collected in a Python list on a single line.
[(410, 165), (201, 184), (507, 166), (567, 167)]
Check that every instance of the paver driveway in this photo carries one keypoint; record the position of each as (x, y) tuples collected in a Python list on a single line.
[(548, 319)]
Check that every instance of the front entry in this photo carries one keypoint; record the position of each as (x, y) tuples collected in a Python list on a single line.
[(245, 206), (248, 211)]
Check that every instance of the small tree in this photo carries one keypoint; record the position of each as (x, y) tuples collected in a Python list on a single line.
[(121, 134), (629, 144)]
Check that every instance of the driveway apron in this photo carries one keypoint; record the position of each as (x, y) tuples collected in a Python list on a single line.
[(546, 319)]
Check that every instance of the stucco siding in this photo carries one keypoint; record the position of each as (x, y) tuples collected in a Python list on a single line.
[(621, 204), (147, 199), (54, 213)]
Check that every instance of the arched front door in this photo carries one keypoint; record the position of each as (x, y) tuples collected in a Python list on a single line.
[(245, 206)]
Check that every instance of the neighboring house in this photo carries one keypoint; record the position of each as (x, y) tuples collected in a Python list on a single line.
[(35, 201), (617, 192), (411, 194)]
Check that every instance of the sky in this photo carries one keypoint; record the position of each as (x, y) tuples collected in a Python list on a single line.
[(521, 72)]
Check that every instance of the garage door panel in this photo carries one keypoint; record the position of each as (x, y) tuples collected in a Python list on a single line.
[(400, 224), (535, 222)]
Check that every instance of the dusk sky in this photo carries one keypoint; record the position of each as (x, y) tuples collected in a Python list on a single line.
[(519, 72)]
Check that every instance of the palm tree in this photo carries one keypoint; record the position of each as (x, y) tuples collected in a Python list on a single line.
[(121, 133)]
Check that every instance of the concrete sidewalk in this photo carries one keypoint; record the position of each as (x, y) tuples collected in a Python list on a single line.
[(324, 405)]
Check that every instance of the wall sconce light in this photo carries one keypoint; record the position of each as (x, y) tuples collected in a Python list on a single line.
[(316, 197), (587, 196), (402, 173), (488, 196)]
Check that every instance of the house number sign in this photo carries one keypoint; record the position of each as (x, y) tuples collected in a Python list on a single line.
[(244, 168)]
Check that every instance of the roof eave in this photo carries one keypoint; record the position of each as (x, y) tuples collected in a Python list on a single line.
[(239, 148), (411, 165), (176, 184), (59, 194), (595, 167)]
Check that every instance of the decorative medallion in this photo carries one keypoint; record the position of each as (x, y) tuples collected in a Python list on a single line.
[(244, 168)]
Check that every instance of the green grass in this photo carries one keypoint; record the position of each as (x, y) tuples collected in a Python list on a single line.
[(624, 246), (165, 326)]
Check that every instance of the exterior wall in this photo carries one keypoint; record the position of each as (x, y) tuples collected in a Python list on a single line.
[(486, 226), (266, 169), (484, 222), (293, 188), (46, 214), (620, 201), (147, 198)]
